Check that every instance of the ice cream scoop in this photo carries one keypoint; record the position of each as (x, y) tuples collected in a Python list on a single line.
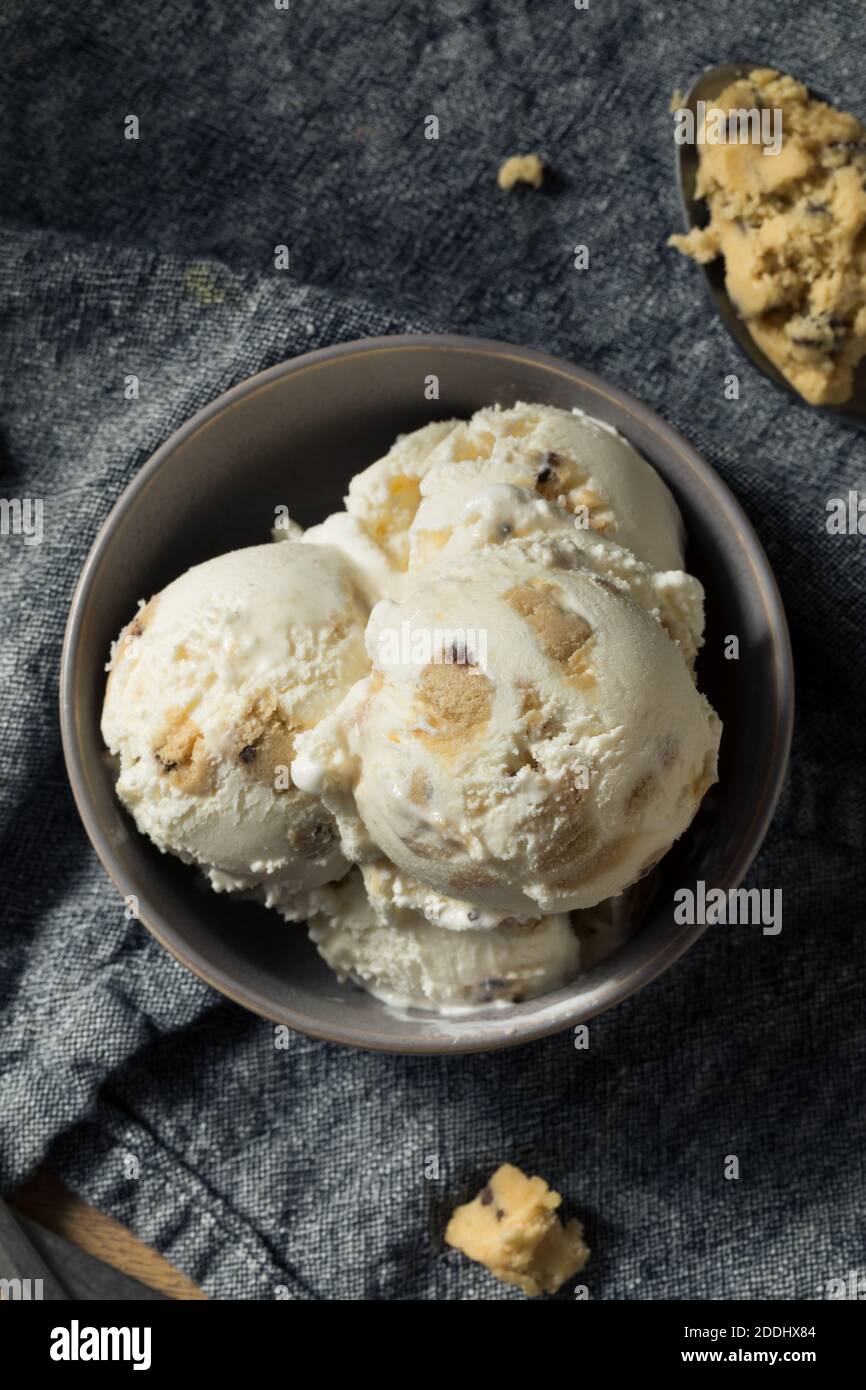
[(530, 739), (562, 456), (413, 963), (395, 897), (209, 686), (402, 509)]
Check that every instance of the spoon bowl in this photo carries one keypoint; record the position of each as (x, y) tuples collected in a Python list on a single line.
[(707, 87)]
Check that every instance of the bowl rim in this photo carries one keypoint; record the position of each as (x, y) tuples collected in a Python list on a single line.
[(490, 1033)]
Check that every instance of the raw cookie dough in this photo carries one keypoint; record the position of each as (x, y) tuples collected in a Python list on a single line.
[(790, 227), (512, 1228), (521, 168)]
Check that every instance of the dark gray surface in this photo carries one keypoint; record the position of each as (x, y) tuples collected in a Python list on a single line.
[(81, 1275), (21, 1260), (201, 494), (306, 1167)]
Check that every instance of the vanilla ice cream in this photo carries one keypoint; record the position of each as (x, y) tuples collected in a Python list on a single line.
[(208, 688), (413, 963), (408, 500), (547, 765), (394, 897), (392, 893), (449, 726), (384, 498)]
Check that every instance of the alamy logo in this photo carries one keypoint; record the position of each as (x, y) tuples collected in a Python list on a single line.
[(22, 516), (846, 516), (77, 1343), (21, 1290), (436, 646), (852, 1287), (737, 907), (746, 125)]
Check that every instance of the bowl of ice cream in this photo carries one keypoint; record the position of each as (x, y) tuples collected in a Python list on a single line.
[(419, 709)]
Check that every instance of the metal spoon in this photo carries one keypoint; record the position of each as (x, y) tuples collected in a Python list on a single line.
[(708, 87)]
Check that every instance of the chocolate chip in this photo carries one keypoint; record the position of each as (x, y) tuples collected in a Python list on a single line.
[(820, 331), (461, 655), (313, 838), (248, 754), (473, 915), (486, 1196), (552, 462), (505, 529), (491, 989), (135, 628), (499, 1213)]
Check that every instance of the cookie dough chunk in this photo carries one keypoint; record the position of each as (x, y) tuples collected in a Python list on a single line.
[(521, 168), (512, 1228), (790, 228)]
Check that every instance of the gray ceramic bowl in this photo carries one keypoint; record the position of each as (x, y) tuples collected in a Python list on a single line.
[(294, 435)]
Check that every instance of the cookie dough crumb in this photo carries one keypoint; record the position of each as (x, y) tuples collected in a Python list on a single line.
[(701, 243), (677, 100), (512, 1228), (790, 227), (521, 168)]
